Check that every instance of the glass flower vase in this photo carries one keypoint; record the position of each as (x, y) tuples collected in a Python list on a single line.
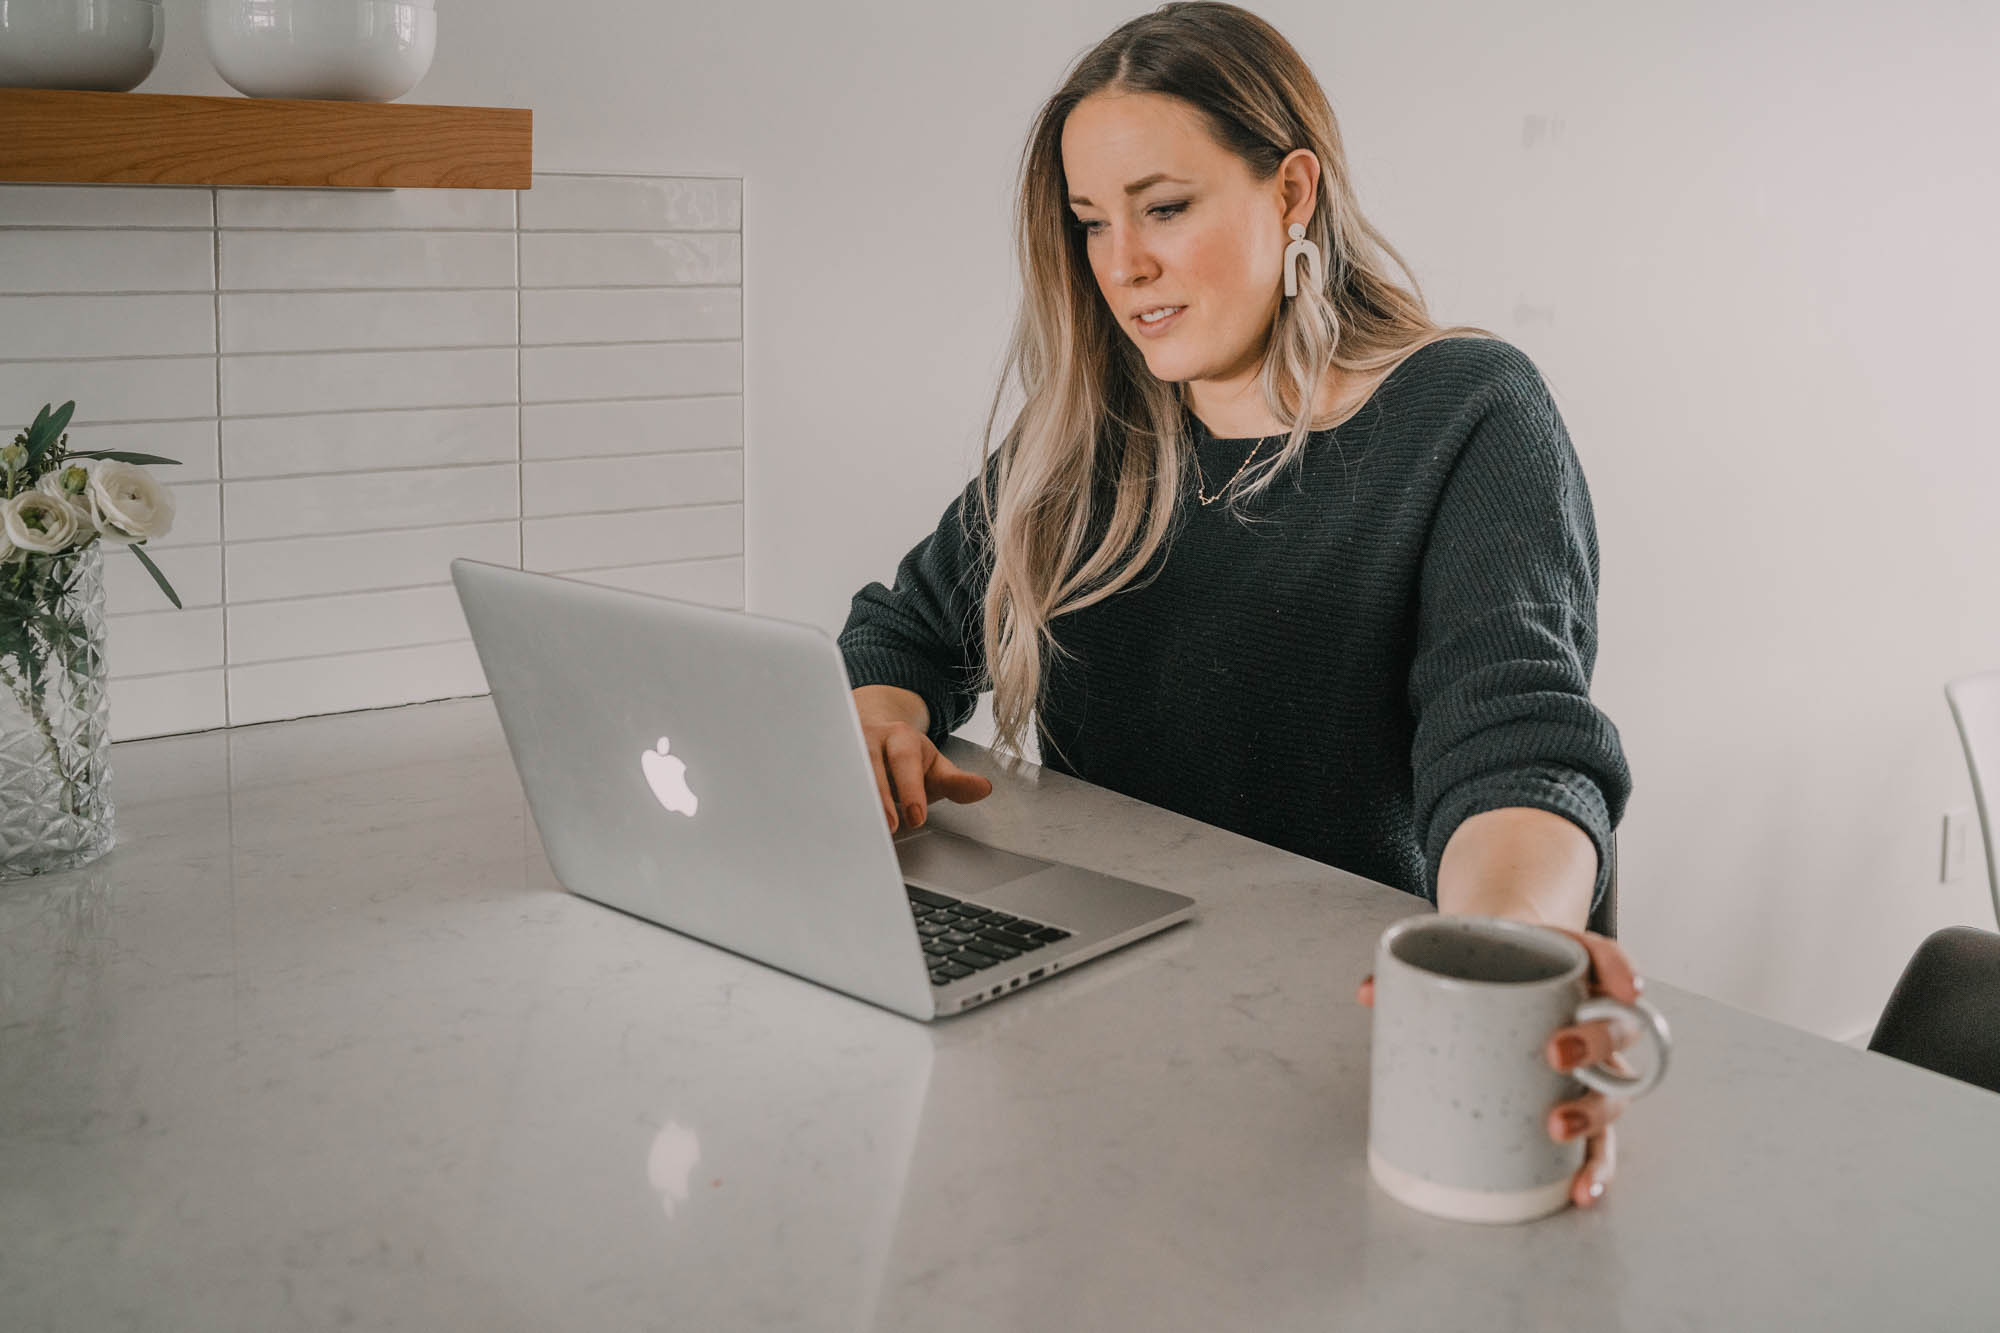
[(55, 797)]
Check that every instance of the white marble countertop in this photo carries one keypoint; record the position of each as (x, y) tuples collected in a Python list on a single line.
[(323, 1045)]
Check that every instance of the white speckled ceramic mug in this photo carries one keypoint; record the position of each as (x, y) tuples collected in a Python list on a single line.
[(1461, 1092)]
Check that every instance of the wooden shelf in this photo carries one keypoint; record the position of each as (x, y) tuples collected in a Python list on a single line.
[(49, 136)]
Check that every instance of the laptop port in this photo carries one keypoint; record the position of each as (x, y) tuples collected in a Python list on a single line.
[(1036, 973)]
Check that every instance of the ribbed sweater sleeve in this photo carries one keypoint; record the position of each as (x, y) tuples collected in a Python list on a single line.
[(923, 633), (1507, 634)]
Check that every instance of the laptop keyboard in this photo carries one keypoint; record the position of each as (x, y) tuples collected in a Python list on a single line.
[(961, 938)]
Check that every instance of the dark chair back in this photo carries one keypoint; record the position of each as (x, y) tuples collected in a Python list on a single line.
[(1945, 1011)]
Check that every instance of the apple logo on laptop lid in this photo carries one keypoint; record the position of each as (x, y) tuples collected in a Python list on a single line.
[(666, 774)]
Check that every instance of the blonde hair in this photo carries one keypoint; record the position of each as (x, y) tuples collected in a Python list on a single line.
[(1093, 416)]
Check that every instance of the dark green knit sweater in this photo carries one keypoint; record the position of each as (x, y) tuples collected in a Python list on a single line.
[(1401, 638)]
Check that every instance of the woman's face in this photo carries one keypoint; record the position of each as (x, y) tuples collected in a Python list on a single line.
[(1186, 244)]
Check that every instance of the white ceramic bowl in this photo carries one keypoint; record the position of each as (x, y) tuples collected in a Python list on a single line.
[(105, 46), (343, 50)]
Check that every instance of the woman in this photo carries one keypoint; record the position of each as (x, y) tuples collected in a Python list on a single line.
[(1264, 544)]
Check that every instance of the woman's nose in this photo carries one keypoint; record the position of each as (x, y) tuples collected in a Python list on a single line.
[(1130, 260)]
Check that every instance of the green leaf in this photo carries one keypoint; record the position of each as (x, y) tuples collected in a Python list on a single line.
[(120, 456), (158, 577), (46, 431)]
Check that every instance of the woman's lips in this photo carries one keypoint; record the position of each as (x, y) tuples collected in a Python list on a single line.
[(1157, 327)]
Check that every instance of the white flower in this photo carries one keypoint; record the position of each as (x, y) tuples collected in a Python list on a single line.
[(70, 483), (71, 479), (40, 522), (128, 505)]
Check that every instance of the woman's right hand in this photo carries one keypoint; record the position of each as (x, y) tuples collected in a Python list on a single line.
[(909, 771)]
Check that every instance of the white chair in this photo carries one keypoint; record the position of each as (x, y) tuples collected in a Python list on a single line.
[(1975, 706)]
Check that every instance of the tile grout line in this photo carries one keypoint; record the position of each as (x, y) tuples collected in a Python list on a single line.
[(742, 397), (221, 491), (458, 465), (393, 589), (520, 403), (424, 289), (489, 520)]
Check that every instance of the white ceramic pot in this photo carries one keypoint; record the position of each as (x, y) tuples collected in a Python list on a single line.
[(107, 46), (343, 50)]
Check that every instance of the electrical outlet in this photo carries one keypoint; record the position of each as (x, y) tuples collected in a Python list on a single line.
[(1957, 838)]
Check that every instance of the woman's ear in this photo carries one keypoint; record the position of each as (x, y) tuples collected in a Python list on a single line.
[(1298, 186)]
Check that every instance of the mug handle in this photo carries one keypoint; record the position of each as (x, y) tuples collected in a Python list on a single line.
[(1652, 1025)]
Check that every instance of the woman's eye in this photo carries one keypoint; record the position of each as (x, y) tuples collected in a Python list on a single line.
[(1167, 210), (1087, 226)]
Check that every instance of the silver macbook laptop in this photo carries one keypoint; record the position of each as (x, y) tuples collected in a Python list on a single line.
[(705, 769)]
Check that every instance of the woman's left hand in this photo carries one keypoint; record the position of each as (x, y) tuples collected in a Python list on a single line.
[(1611, 973)]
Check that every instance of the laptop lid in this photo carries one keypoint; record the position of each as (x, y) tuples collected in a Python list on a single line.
[(703, 769)]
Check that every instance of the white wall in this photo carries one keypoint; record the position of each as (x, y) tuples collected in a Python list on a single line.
[(1748, 245)]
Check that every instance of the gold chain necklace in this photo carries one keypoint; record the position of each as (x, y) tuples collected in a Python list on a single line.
[(1202, 495)]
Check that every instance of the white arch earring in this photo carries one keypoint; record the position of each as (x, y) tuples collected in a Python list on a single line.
[(1300, 246)]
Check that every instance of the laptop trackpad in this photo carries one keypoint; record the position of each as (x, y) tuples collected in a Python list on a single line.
[(934, 859)]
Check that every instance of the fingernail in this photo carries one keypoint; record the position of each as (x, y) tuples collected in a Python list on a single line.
[(916, 813), (1574, 1123), (1596, 1189), (1570, 1051), (1638, 985)]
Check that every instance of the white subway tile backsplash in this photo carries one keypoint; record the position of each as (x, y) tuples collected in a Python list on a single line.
[(359, 381), (365, 321), (365, 441), (630, 370), (122, 390), (630, 314), (599, 541), (709, 582), (631, 203), (197, 515), (102, 326), (151, 206), (426, 210), (192, 442), (157, 642), (623, 259), (310, 566), (324, 626), (363, 260), (163, 705), (195, 572), (272, 690), (660, 425), (383, 383), (106, 261), (371, 501), (602, 485)]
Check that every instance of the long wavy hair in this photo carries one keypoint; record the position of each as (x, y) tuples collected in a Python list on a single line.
[(1096, 428)]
